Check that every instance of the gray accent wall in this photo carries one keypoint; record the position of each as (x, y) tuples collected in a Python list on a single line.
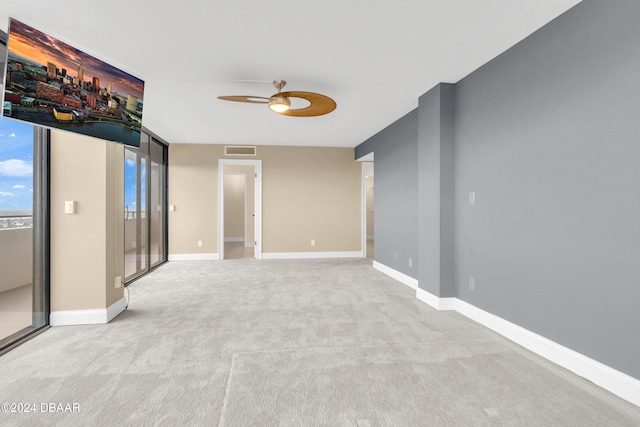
[(436, 197), (395, 193), (547, 135)]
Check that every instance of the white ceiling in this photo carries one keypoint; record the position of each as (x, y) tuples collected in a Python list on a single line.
[(373, 57)]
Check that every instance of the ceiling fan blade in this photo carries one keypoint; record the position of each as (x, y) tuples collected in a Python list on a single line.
[(242, 81), (320, 104), (249, 99)]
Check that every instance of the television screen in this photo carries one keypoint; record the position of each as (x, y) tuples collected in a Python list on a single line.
[(3, 56), (50, 83)]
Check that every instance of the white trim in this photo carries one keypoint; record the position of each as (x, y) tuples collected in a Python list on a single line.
[(194, 257), (436, 302), (616, 382), (612, 380), (116, 308), (246, 205), (310, 255), (365, 165), (87, 317), (257, 206), (363, 190), (366, 158), (394, 274), (234, 239)]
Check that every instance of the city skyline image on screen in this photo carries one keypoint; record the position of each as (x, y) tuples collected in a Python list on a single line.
[(52, 84)]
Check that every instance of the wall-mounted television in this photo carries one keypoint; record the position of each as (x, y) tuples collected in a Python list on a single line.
[(50, 83), (3, 56)]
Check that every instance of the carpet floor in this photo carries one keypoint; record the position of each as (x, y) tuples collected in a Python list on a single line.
[(290, 343)]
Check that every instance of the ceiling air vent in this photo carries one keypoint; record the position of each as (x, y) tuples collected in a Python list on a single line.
[(239, 150)]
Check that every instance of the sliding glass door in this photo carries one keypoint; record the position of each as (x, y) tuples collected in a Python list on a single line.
[(157, 203), (145, 206), (24, 234), (135, 253)]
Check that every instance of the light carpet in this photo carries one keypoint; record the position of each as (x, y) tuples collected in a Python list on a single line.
[(292, 343)]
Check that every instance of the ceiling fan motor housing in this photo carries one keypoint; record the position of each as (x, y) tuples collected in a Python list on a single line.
[(279, 103)]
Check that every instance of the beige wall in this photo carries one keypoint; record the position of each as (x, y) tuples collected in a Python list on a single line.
[(309, 193), (86, 247), (114, 224), (193, 190)]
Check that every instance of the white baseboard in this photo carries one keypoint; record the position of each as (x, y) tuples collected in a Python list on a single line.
[(310, 255), (234, 239), (394, 274), (616, 382), (87, 317), (436, 302), (116, 308), (194, 257)]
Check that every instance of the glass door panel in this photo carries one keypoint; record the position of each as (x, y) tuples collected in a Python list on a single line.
[(156, 205), (145, 218), (143, 225), (23, 231), (131, 189), (16, 226)]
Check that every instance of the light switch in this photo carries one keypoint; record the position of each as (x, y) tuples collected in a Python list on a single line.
[(70, 207), (172, 208)]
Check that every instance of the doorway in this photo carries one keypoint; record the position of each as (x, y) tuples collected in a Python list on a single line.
[(367, 210), (239, 209)]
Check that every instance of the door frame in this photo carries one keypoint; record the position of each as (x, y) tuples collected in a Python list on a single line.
[(365, 165), (257, 222)]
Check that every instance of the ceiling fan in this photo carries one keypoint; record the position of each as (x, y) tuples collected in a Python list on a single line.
[(281, 103)]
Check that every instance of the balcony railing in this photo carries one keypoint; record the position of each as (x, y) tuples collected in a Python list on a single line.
[(8, 222), (131, 215), (16, 252)]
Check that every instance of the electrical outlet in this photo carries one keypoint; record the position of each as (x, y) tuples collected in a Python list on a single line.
[(410, 262), (133, 245), (313, 243), (118, 282), (395, 256), (199, 243), (472, 283), (472, 198)]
